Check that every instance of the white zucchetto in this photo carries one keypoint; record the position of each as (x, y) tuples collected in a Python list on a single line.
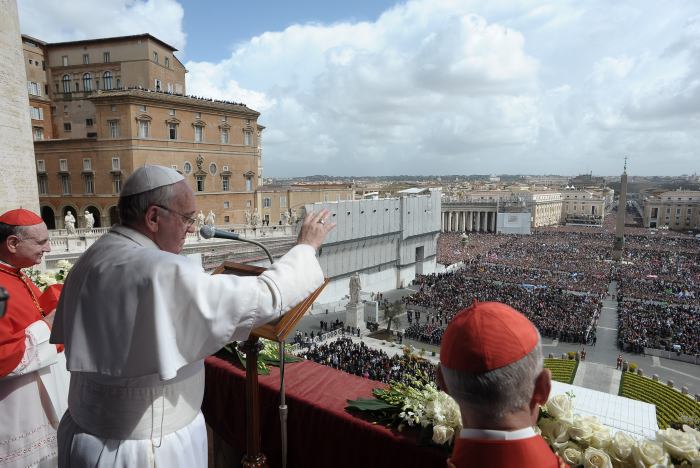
[(148, 178)]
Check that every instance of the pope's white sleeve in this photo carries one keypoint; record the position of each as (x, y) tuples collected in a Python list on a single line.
[(38, 352)]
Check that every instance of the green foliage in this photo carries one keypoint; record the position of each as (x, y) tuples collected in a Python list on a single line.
[(671, 406), (571, 354), (562, 370), (633, 367)]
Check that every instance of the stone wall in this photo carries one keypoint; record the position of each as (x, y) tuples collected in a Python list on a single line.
[(19, 185)]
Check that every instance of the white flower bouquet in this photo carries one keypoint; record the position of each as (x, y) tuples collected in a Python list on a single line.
[(418, 404), (582, 441), (45, 279)]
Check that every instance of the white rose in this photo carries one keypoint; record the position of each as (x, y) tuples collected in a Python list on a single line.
[(596, 458), (622, 446), (647, 453), (442, 434), (694, 432), (571, 454), (560, 407), (679, 444), (64, 265), (556, 432), (581, 429), (601, 438)]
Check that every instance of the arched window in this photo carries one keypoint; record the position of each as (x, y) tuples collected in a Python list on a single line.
[(87, 82), (66, 83), (107, 80)]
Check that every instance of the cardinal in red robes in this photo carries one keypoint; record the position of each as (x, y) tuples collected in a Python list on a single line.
[(491, 363), (33, 378)]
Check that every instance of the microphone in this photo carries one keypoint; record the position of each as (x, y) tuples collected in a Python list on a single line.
[(209, 232)]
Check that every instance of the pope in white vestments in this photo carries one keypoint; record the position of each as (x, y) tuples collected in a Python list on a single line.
[(137, 321)]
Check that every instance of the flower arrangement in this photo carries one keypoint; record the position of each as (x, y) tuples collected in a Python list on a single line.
[(268, 355), (45, 279), (416, 404), (583, 441)]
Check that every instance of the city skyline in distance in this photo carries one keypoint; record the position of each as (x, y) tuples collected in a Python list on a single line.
[(436, 87)]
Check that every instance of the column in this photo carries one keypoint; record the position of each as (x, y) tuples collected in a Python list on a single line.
[(470, 222), (461, 221), (477, 226), (495, 222)]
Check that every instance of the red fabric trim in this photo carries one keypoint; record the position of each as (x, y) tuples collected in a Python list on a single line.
[(532, 452), (22, 310), (320, 432)]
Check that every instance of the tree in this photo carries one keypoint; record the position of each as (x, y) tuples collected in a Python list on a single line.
[(391, 311)]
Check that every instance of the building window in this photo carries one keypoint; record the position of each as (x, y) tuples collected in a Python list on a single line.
[(87, 164), (77, 87), (64, 60), (119, 84), (172, 112), (37, 113), (227, 219), (157, 84), (89, 122), (86, 59), (105, 57), (65, 184), (142, 108), (170, 88), (224, 136), (89, 183), (113, 128), (249, 184), (116, 183), (167, 62), (66, 127), (63, 165), (283, 202), (212, 168), (172, 131), (226, 184), (144, 128), (247, 138), (116, 163), (87, 82), (40, 165), (34, 88), (227, 204), (43, 184), (187, 167), (66, 83), (38, 133), (198, 133), (200, 183), (107, 80), (155, 56), (197, 115), (267, 202)]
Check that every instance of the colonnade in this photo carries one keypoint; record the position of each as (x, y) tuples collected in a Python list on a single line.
[(468, 221)]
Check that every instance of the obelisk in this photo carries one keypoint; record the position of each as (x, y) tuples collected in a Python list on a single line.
[(18, 186), (621, 210)]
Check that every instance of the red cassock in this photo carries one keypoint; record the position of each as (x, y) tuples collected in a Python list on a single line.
[(23, 309), (532, 452)]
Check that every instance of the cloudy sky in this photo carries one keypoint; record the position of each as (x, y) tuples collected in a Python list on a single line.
[(375, 87)]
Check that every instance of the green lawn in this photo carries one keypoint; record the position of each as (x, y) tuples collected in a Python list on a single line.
[(671, 405), (562, 370)]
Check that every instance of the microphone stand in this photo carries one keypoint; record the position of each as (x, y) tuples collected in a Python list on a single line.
[(283, 403)]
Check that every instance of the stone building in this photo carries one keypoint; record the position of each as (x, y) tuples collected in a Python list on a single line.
[(583, 207), (111, 105), (678, 210)]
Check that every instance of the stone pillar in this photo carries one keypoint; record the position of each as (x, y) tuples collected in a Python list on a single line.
[(470, 223), (19, 185), (461, 221), (442, 221), (355, 317), (494, 225), (477, 226)]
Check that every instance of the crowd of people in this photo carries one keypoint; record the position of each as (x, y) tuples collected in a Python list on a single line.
[(359, 359), (658, 282), (556, 312)]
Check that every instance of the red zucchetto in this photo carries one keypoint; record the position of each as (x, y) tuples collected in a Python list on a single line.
[(485, 337), (20, 217)]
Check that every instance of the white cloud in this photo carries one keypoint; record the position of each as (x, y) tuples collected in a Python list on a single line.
[(53, 21)]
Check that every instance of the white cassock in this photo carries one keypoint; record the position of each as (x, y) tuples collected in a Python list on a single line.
[(137, 323), (33, 397)]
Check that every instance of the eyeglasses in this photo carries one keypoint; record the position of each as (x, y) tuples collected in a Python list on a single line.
[(185, 219)]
